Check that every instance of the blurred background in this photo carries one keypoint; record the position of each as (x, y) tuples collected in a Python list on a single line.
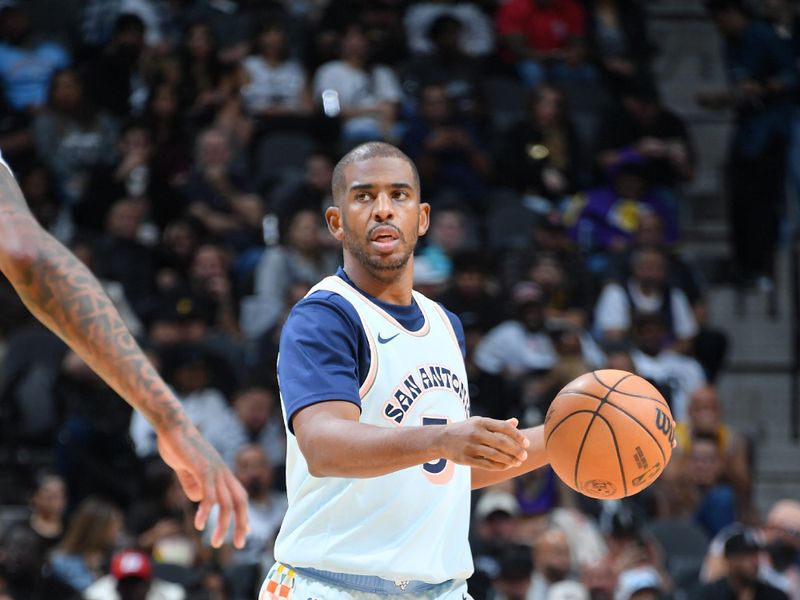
[(614, 184)]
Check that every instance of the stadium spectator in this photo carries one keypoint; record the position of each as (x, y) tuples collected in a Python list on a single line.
[(48, 503), (521, 344), (120, 256), (231, 26), (71, 135), (552, 562), (704, 415), (599, 579), (541, 154), (312, 192), (16, 135), (131, 578), (22, 572), (514, 572), (301, 258), (219, 197), (741, 552), (472, 294), (188, 370), (536, 33), (643, 128), (447, 149), (160, 518), (604, 220), (566, 299), (266, 509), (200, 83), (93, 531), (170, 138), (27, 65), (764, 81), (645, 291), (446, 65), (475, 34), (366, 94), (448, 235), (675, 374), (133, 174), (115, 78), (639, 583), (617, 33), (257, 422), (277, 87), (782, 546)]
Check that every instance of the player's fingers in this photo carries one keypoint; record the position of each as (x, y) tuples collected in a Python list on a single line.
[(241, 518), (488, 464), (190, 485), (206, 504), (497, 456), (514, 422), (225, 511), (507, 445), (508, 428)]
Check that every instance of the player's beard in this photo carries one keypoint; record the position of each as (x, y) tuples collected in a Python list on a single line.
[(383, 268)]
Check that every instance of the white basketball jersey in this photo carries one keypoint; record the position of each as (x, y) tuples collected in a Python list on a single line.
[(408, 525)]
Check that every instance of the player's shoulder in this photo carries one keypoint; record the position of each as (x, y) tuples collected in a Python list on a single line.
[(323, 310), (454, 319)]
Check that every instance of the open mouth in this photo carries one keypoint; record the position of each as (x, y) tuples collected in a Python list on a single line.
[(384, 239), (384, 234)]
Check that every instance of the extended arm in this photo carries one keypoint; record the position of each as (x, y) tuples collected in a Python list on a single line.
[(63, 294), (335, 444)]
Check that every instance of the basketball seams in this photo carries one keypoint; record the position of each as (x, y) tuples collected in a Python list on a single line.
[(605, 385), (616, 449), (596, 413), (622, 410), (561, 422), (620, 392), (642, 425)]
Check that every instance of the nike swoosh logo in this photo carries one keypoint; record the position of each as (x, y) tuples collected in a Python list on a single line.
[(383, 340)]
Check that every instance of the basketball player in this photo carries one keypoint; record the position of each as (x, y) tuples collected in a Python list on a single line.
[(63, 294), (382, 453)]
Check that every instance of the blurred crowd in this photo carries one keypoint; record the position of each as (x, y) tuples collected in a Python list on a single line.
[(183, 149)]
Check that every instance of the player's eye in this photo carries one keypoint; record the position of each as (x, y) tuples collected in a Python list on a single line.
[(362, 196), (400, 195)]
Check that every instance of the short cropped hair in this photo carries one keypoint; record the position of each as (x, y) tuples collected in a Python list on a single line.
[(365, 152)]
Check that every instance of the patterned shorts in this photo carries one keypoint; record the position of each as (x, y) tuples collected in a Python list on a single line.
[(283, 582)]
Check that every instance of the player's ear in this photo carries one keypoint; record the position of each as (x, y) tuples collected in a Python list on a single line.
[(333, 218), (424, 218)]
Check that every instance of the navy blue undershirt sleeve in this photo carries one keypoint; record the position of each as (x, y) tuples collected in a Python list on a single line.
[(319, 354)]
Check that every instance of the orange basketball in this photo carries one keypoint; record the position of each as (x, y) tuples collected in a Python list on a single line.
[(608, 434)]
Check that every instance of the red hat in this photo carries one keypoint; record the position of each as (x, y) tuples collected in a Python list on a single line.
[(131, 563)]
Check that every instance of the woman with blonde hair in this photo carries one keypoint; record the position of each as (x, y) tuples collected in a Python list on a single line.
[(82, 556)]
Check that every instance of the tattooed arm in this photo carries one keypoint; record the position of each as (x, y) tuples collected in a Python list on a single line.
[(63, 294)]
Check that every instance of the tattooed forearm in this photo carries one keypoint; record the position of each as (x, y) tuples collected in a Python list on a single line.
[(62, 293)]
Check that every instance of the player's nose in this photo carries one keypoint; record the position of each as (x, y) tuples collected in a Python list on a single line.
[(382, 208)]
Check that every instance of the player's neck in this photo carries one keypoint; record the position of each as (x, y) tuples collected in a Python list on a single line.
[(397, 291)]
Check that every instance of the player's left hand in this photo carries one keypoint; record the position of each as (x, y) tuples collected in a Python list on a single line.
[(205, 479)]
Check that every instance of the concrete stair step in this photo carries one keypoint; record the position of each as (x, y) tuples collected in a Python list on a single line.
[(758, 405)]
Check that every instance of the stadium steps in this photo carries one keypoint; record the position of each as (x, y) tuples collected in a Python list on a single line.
[(756, 385)]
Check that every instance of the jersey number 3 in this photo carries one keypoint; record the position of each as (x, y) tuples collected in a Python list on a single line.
[(438, 471)]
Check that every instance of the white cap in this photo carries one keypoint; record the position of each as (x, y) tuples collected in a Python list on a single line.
[(567, 590), (426, 272), (497, 501), (635, 580)]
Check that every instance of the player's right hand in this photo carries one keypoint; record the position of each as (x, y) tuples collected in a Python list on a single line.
[(485, 443)]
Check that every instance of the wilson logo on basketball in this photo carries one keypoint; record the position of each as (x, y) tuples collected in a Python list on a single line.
[(664, 425)]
